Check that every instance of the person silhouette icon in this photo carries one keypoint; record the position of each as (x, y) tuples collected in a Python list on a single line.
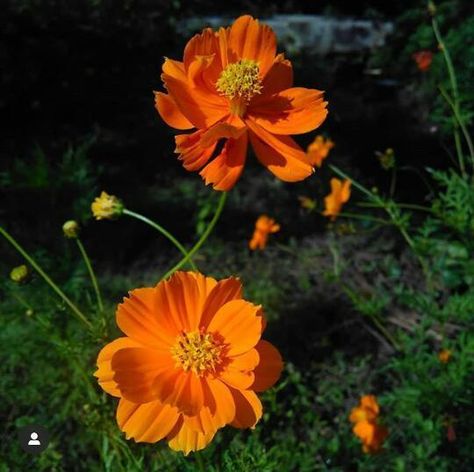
[(34, 441)]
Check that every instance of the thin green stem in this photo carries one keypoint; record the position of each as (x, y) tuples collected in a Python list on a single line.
[(386, 333), (164, 232), (91, 274), (364, 218), (408, 206), (203, 238), (454, 87), (355, 183), (46, 278), (460, 121)]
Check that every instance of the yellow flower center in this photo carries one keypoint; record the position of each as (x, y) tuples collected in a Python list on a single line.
[(198, 352), (239, 82)]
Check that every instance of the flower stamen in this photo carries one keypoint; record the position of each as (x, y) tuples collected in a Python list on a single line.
[(240, 82), (198, 352)]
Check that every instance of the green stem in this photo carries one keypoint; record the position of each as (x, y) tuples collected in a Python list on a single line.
[(386, 333), (164, 232), (202, 239), (364, 218), (454, 87), (408, 206), (91, 274), (460, 121), (355, 183), (46, 278)]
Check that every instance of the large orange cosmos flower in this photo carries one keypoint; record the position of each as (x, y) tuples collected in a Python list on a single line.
[(190, 363), (232, 86)]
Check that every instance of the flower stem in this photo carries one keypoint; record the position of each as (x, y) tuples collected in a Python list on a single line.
[(364, 218), (46, 278), (408, 206), (164, 232), (91, 274), (454, 88), (202, 239)]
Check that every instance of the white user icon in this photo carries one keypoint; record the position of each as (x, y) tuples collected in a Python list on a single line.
[(34, 440)]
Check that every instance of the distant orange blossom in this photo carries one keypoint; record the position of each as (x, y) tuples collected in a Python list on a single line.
[(263, 227), (192, 361), (318, 150), (232, 85), (340, 194)]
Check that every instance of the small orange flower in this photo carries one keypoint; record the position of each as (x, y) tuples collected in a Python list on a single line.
[(423, 59), (368, 410), (366, 428), (191, 361), (371, 434), (318, 150), (445, 355), (340, 194), (263, 227), (233, 86)]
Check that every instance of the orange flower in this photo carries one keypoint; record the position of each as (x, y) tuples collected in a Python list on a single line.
[(368, 410), (263, 227), (444, 356), (340, 194), (366, 428), (190, 363), (318, 150), (423, 59), (232, 86), (371, 434)]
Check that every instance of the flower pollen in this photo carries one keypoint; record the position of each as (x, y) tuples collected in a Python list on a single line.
[(240, 82), (198, 352)]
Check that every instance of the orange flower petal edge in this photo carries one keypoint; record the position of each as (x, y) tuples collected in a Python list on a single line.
[(190, 362), (233, 86), (318, 150)]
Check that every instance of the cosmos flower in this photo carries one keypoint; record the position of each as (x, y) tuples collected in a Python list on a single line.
[(423, 59), (340, 194), (366, 427), (233, 88), (263, 227), (444, 356), (318, 150), (106, 207), (191, 361)]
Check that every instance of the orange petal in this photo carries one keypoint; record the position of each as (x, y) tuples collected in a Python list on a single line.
[(224, 291), (148, 422), (139, 319), (239, 326), (181, 299), (278, 78), (219, 131), (238, 372), (269, 369), (293, 111), (248, 409), (223, 407), (370, 402), (224, 171), (181, 389), (184, 437), (104, 371), (279, 154), (170, 113), (193, 155), (174, 69), (204, 44), (136, 369), (248, 39), (200, 107)]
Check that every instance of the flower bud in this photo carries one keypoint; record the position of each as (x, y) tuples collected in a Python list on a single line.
[(71, 229), (20, 274), (106, 207)]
